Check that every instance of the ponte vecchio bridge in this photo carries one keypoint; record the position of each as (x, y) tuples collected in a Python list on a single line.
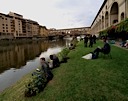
[(69, 32)]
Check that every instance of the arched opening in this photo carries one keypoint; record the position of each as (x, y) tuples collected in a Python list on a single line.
[(122, 16), (114, 13), (106, 20), (102, 22), (98, 24)]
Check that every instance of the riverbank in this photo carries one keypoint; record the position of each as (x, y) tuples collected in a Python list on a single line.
[(81, 80), (27, 40), (19, 59), (18, 41)]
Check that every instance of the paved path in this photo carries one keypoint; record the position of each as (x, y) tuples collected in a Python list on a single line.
[(117, 43)]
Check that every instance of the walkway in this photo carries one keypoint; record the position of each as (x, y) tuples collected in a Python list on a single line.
[(117, 43)]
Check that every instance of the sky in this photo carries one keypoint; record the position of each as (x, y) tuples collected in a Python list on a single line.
[(58, 14)]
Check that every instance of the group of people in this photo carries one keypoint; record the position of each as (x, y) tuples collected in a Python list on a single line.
[(124, 44), (91, 39), (46, 68)]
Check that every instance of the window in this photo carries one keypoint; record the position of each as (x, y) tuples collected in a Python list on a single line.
[(106, 7), (115, 21), (122, 16)]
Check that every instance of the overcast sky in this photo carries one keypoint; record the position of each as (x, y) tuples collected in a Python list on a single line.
[(57, 14)]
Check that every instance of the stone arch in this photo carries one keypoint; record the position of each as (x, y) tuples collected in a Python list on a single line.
[(106, 19), (102, 22), (114, 13), (98, 25), (122, 16)]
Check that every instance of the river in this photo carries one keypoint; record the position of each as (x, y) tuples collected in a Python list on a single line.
[(16, 60)]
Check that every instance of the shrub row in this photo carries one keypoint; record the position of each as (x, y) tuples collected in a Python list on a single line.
[(116, 31)]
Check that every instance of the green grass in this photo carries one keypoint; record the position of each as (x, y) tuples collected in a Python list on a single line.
[(102, 79)]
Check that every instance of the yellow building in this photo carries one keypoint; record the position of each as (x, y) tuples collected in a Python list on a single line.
[(43, 31), (13, 25), (35, 29), (17, 24), (27, 28), (5, 27)]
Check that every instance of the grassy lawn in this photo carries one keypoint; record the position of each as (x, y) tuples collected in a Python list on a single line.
[(103, 79)]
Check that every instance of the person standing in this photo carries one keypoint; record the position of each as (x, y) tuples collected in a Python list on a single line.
[(90, 41), (85, 41), (94, 39)]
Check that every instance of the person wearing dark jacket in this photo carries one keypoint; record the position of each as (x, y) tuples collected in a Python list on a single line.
[(105, 49), (94, 39), (85, 41), (55, 59), (90, 41)]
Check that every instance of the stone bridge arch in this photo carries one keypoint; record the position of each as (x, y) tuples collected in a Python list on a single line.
[(102, 22), (106, 19), (114, 12)]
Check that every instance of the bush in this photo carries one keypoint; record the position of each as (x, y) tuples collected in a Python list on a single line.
[(36, 84), (63, 55)]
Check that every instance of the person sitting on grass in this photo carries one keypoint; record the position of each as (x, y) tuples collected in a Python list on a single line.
[(55, 60), (45, 68), (126, 44), (105, 49)]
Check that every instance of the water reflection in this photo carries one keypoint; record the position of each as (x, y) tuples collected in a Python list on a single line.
[(19, 59), (15, 56)]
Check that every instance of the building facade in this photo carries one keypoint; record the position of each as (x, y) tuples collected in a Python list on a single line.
[(35, 29), (43, 31), (5, 27), (16, 24), (70, 31), (111, 13), (13, 26)]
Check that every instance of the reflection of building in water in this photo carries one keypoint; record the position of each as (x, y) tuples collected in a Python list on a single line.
[(44, 46), (50, 44), (17, 55)]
